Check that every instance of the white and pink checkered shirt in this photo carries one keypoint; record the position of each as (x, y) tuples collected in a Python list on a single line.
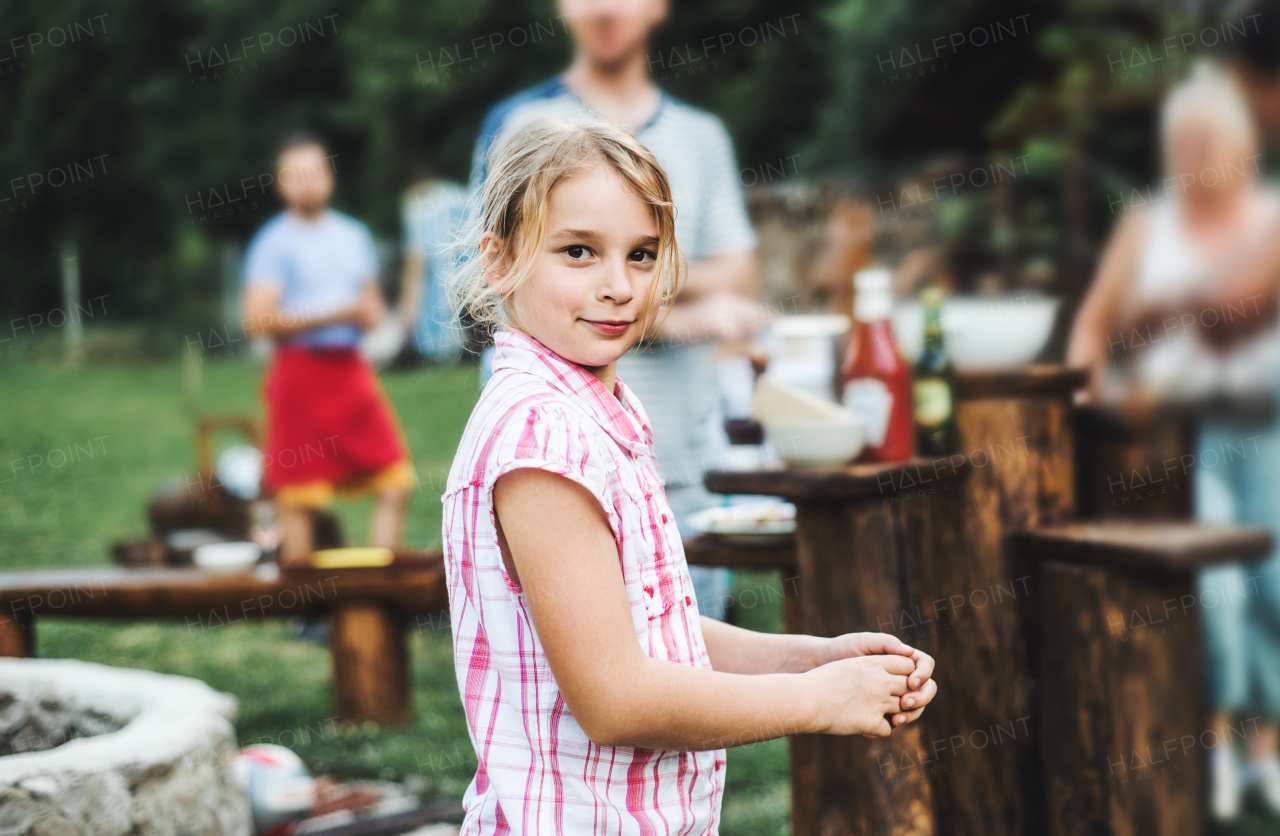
[(537, 772)]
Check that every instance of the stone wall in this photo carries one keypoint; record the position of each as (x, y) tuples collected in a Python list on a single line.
[(93, 750)]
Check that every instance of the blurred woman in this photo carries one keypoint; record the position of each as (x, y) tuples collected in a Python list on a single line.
[(432, 210), (1145, 351)]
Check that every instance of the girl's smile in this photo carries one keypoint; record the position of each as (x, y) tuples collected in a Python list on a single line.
[(611, 329)]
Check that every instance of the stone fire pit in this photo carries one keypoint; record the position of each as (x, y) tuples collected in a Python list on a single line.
[(91, 750)]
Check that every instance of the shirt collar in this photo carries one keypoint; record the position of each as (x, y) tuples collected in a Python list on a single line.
[(618, 413), (563, 89)]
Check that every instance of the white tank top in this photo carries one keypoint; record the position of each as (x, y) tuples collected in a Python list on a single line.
[(1177, 365)]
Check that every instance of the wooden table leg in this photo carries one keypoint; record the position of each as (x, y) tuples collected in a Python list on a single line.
[(370, 663), (17, 635), (853, 578)]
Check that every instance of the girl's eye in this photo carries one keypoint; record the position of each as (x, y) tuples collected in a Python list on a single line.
[(642, 256), (576, 251)]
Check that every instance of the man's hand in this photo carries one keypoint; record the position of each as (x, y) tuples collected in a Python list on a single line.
[(368, 312), (264, 316), (716, 316)]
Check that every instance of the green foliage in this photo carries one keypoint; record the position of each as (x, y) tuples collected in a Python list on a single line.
[(865, 31), (189, 101)]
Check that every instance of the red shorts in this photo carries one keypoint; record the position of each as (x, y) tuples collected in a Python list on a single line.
[(328, 422)]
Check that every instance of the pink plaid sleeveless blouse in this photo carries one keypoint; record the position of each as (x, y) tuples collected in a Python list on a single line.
[(538, 773)]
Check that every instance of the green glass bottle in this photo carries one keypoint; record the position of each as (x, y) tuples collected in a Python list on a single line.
[(934, 385)]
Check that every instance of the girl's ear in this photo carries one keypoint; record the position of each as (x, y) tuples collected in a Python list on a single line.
[(492, 259)]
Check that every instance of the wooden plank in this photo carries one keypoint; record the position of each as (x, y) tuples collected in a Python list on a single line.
[(858, 481), (740, 552), (114, 592), (1020, 382), (1146, 547), (17, 635), (852, 578), (982, 597), (1134, 471), (1124, 718), (370, 663)]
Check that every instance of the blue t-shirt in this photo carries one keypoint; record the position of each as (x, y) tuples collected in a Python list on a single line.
[(321, 265)]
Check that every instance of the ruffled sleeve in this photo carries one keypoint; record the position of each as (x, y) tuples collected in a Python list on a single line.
[(551, 437)]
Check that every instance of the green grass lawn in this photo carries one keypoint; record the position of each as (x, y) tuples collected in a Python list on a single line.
[(61, 509)]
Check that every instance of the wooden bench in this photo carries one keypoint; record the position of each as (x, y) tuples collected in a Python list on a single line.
[(1121, 683), (367, 608)]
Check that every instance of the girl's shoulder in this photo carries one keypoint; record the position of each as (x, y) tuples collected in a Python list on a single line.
[(520, 421)]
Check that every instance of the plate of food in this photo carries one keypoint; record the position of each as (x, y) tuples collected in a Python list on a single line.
[(754, 521)]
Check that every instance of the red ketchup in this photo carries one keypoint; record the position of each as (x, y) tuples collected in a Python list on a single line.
[(877, 381)]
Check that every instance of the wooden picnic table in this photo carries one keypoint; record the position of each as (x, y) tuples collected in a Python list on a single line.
[(368, 610)]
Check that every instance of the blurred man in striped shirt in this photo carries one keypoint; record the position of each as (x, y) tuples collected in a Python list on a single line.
[(675, 377)]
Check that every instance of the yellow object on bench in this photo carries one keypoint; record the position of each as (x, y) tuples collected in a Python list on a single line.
[(351, 558)]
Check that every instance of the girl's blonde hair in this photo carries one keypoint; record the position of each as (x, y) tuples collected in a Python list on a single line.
[(522, 171)]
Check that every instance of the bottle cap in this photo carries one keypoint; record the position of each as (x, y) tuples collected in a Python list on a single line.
[(873, 279), (872, 300), (931, 296)]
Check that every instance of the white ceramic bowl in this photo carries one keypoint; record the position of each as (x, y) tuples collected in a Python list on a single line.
[(810, 325), (981, 332), (227, 558), (815, 443)]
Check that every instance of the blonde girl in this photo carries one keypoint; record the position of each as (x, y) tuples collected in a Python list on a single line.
[(598, 700)]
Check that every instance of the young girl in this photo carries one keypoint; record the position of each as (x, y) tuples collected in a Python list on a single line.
[(597, 699)]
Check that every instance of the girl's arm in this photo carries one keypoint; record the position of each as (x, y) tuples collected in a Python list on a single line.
[(556, 543), (735, 650)]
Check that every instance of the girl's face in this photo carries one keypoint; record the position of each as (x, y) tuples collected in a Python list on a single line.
[(585, 296)]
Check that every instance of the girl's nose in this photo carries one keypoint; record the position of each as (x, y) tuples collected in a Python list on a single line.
[(616, 283)]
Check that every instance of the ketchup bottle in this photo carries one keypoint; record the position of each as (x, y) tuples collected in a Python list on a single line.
[(877, 381)]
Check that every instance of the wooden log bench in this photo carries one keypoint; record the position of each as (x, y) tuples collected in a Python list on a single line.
[(367, 607), (1124, 725)]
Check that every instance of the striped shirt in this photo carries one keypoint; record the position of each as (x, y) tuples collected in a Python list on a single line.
[(676, 382), (538, 772)]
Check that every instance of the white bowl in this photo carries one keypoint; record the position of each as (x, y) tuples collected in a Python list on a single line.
[(227, 558), (981, 332), (815, 443), (810, 325)]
